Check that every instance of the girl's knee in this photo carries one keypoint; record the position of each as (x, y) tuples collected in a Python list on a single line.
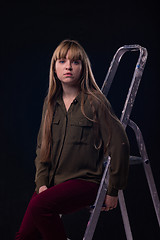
[(38, 207), (35, 206)]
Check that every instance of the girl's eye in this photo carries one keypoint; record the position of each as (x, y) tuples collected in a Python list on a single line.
[(76, 62), (61, 61)]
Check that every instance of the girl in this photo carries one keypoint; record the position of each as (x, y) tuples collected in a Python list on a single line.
[(77, 130)]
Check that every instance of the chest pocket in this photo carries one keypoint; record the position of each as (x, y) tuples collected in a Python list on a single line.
[(56, 133), (80, 131)]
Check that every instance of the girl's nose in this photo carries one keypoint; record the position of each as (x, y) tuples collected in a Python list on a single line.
[(68, 65)]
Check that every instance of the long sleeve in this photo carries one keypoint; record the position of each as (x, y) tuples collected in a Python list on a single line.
[(42, 169), (118, 150)]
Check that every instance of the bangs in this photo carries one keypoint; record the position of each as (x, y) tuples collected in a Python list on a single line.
[(75, 52)]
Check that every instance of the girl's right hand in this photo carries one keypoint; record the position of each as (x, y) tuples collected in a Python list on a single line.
[(42, 188)]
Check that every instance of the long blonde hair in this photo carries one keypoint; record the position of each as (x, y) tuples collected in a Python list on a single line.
[(88, 85)]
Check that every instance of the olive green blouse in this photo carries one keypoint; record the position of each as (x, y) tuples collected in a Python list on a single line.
[(73, 152)]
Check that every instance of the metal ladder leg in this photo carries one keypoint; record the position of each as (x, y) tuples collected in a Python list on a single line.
[(150, 180), (97, 205), (153, 190), (147, 168), (125, 216)]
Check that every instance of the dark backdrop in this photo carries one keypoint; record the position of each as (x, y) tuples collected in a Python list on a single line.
[(29, 34)]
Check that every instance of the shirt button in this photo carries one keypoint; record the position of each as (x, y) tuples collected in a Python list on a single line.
[(75, 101)]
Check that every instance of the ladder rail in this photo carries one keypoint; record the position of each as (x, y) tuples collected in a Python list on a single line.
[(125, 120), (98, 204), (147, 168), (125, 217), (115, 63), (134, 86), (105, 89), (140, 65)]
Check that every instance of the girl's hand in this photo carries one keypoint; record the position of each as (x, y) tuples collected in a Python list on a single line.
[(110, 203), (42, 188)]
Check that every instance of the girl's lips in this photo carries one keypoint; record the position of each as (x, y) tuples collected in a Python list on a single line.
[(68, 74)]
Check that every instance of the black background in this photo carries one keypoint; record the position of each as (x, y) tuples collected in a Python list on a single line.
[(29, 34)]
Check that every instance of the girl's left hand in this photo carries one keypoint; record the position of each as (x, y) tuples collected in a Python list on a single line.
[(42, 188), (110, 203)]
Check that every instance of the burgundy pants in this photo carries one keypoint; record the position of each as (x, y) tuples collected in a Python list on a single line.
[(42, 221)]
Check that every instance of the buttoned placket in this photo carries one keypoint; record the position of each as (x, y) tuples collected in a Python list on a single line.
[(63, 108)]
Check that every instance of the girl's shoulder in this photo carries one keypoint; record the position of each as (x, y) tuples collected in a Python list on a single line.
[(99, 101)]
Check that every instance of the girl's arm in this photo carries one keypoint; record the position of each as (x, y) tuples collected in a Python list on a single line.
[(42, 169), (118, 150)]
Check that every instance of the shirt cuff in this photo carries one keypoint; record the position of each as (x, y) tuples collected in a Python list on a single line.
[(111, 191), (42, 181)]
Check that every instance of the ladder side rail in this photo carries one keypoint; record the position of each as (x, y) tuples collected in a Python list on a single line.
[(98, 204), (134, 87), (124, 214), (114, 65), (147, 168), (105, 89), (124, 119), (127, 108), (140, 141), (112, 71)]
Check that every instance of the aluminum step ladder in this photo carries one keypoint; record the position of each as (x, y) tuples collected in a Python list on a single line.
[(126, 121)]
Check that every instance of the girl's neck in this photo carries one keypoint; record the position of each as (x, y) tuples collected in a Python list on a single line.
[(70, 92)]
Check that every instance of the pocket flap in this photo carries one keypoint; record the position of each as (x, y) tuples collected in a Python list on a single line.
[(56, 120), (83, 122)]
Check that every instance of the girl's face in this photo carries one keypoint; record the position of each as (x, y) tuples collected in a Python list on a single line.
[(68, 70)]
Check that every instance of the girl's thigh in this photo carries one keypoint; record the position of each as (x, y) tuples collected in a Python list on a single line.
[(68, 196)]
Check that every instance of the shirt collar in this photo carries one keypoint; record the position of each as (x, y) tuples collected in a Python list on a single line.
[(77, 99)]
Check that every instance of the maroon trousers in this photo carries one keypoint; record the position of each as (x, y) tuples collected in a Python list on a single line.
[(42, 220)]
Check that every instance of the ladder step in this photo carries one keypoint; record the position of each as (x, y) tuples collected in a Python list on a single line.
[(133, 160)]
